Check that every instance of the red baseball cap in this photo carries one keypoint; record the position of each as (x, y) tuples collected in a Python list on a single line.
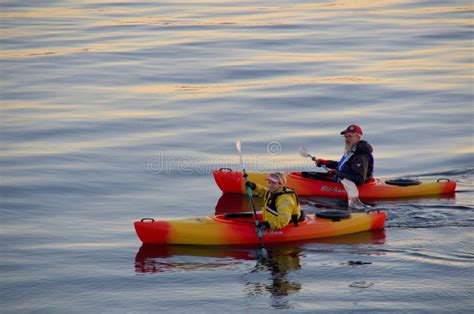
[(353, 128)]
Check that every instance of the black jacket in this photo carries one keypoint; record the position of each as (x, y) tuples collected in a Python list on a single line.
[(360, 166)]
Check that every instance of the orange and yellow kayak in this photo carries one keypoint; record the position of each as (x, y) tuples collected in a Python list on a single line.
[(233, 229), (232, 182)]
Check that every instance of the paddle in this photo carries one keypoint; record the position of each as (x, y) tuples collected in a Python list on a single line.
[(304, 153), (352, 191), (353, 200), (263, 251)]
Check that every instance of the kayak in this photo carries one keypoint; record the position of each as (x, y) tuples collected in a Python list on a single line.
[(239, 228), (230, 181)]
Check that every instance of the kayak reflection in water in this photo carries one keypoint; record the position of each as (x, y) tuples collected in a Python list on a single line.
[(153, 258), (280, 204), (281, 262), (356, 164)]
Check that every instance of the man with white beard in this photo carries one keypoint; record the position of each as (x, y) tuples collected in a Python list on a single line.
[(357, 162)]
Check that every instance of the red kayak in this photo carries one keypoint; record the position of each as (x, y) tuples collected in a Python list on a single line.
[(230, 181)]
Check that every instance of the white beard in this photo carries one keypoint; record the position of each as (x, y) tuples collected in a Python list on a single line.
[(347, 148)]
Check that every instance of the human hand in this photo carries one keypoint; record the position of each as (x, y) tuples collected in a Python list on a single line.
[(263, 226), (332, 172), (250, 185), (321, 162)]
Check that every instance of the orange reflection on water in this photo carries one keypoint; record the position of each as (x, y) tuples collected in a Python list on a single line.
[(71, 113), (465, 150), (45, 147)]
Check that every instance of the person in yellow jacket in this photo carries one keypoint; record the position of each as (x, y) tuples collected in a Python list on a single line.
[(280, 204)]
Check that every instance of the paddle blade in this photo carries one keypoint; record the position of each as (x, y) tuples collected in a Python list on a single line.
[(352, 191), (357, 204), (304, 152), (262, 254), (238, 146)]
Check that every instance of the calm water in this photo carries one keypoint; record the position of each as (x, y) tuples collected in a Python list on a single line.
[(113, 110)]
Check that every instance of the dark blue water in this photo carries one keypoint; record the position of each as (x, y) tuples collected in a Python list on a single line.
[(112, 111)]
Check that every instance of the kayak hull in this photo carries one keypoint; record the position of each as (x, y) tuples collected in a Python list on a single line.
[(227, 230), (232, 182)]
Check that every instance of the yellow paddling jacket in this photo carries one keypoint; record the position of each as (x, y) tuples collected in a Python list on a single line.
[(280, 207)]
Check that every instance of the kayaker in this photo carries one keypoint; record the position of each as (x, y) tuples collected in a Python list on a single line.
[(280, 204), (357, 162)]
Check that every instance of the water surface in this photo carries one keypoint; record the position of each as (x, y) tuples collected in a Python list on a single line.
[(113, 110)]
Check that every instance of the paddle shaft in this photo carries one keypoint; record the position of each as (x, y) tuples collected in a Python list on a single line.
[(249, 193), (304, 153), (263, 251)]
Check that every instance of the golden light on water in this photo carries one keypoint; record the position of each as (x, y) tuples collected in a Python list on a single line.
[(197, 25), (81, 144)]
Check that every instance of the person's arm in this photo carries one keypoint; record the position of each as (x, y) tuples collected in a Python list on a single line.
[(257, 189), (331, 164), (359, 166)]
